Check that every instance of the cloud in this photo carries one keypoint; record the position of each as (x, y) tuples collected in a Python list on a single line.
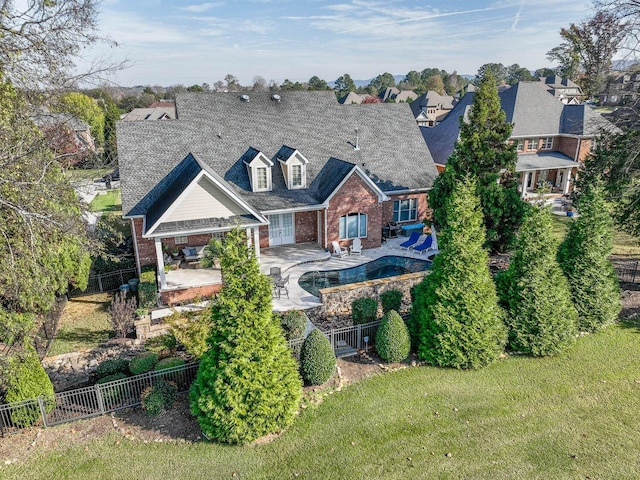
[(201, 7)]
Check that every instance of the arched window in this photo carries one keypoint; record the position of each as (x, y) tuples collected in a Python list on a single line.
[(353, 225)]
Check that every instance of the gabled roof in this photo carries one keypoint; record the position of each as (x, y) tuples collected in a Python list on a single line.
[(155, 113), (431, 99), (532, 110), (218, 128)]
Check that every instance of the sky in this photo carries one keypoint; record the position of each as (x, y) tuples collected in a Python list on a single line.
[(192, 42)]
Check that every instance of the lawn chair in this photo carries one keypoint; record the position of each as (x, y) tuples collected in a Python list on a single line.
[(356, 247), (413, 239), (338, 250), (282, 284), (424, 246)]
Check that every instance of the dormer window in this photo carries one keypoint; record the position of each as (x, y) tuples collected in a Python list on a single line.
[(259, 170), (294, 167)]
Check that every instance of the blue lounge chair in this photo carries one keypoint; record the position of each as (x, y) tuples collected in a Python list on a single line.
[(411, 241), (424, 246)]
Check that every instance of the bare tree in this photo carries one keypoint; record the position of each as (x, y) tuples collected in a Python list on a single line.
[(627, 12)]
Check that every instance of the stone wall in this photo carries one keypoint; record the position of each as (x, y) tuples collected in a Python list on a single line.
[(337, 300), (71, 370)]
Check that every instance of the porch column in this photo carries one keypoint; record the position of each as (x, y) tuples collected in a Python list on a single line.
[(256, 241), (160, 259), (565, 181), (523, 193)]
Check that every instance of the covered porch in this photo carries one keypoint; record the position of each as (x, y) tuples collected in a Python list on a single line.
[(550, 171)]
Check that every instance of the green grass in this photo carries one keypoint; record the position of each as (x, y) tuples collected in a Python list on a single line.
[(85, 324), (111, 201), (574, 416)]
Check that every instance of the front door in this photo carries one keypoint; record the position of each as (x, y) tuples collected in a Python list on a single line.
[(281, 230)]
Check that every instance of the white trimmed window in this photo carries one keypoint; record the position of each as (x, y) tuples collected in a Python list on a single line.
[(520, 145), (353, 225), (296, 175), (405, 210), (262, 178), (547, 143), (181, 240), (592, 147), (532, 144)]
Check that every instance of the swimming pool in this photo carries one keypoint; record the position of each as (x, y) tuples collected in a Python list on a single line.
[(382, 267)]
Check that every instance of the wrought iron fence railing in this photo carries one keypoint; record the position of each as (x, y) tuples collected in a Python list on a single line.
[(629, 272), (105, 282)]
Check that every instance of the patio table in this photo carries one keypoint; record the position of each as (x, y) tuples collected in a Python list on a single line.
[(414, 227)]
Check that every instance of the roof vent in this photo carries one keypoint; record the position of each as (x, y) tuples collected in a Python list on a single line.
[(276, 98), (244, 98), (357, 145)]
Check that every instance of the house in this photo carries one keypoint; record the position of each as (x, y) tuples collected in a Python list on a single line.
[(67, 135), (552, 137), (353, 98), (157, 111), (392, 94), (430, 108), (564, 89), (287, 168), (621, 90)]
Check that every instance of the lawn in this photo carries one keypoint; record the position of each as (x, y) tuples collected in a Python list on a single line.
[(85, 324), (574, 416), (110, 201)]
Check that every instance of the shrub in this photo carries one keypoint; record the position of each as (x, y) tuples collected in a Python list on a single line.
[(27, 379), (391, 300), (168, 363), (111, 366), (143, 363), (392, 339), (122, 310), (317, 360), (192, 330), (112, 378), (364, 310), (147, 288), (294, 323), (161, 343), (159, 397), (248, 383)]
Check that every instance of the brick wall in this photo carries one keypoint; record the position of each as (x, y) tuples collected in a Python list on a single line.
[(264, 236), (567, 146), (306, 226), (355, 196), (173, 297), (423, 210), (146, 246)]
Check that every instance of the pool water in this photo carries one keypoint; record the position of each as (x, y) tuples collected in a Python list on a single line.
[(383, 267)]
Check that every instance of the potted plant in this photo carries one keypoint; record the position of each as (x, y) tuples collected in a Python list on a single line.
[(175, 251)]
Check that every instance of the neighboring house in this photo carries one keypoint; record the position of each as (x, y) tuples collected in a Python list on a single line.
[(565, 90), (163, 111), (622, 90), (398, 96), (289, 168), (552, 137), (353, 98), (431, 108), (67, 135)]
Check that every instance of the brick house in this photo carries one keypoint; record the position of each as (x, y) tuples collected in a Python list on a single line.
[(289, 168), (552, 138)]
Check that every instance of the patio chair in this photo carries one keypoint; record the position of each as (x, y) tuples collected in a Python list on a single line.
[(282, 284), (424, 246), (338, 250), (413, 239), (356, 247)]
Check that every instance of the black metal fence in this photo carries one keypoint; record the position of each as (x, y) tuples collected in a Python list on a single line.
[(105, 282), (629, 272)]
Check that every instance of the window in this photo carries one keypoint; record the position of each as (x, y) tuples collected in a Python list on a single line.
[(521, 145), (547, 143), (181, 240), (296, 175), (353, 225), (405, 210), (592, 147), (261, 173), (532, 144)]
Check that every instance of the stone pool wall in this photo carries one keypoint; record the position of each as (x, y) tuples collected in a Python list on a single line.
[(337, 300)]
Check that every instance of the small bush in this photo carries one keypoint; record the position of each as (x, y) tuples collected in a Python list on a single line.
[(364, 310), (391, 300), (161, 343), (317, 360), (122, 314), (111, 366), (143, 363), (159, 397), (392, 340), (112, 378), (147, 289), (294, 323), (169, 363), (192, 331)]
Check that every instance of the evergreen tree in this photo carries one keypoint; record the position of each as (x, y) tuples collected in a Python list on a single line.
[(540, 315), (456, 307), (392, 338), (317, 359), (483, 152), (111, 116), (584, 259), (247, 384)]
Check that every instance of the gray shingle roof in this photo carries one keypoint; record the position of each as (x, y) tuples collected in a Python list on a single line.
[(219, 128), (543, 160)]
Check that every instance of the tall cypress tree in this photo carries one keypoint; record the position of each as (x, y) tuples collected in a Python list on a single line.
[(456, 308), (247, 384), (484, 153), (540, 314), (584, 259)]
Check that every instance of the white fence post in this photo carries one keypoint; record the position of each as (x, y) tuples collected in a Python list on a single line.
[(42, 410), (100, 399)]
